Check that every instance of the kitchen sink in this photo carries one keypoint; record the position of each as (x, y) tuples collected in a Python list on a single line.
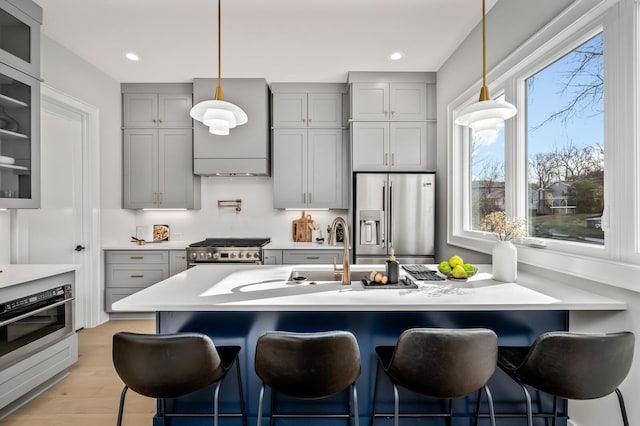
[(305, 275)]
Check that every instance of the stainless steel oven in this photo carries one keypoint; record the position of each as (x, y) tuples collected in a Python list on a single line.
[(31, 322)]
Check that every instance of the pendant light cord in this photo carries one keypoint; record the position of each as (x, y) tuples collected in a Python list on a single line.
[(219, 95), (484, 92)]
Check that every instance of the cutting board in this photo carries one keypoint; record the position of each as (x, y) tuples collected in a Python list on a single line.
[(302, 227)]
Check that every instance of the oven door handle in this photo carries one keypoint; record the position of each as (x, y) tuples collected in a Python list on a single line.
[(37, 311)]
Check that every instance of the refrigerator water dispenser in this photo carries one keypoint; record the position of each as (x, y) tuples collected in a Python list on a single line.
[(370, 226)]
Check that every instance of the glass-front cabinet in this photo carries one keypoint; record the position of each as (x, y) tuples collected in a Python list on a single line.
[(19, 105)]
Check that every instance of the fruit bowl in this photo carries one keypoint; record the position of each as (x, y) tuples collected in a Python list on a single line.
[(470, 272)]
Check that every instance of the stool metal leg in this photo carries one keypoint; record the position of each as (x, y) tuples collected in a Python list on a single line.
[(260, 400), (475, 423), (623, 410), (243, 410), (356, 415), (555, 410), (216, 394), (396, 406), (492, 415), (121, 407), (375, 395), (272, 420), (163, 412), (529, 411)]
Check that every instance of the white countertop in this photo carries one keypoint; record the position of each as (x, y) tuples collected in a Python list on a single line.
[(167, 245), (265, 288), (290, 245), (21, 273)]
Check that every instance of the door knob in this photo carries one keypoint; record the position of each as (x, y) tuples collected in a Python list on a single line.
[(79, 248)]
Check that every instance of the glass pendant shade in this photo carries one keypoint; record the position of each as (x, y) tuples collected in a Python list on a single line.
[(219, 116)]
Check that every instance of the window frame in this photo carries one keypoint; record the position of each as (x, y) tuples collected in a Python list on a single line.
[(620, 255)]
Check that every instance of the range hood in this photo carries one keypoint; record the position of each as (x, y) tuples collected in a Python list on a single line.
[(245, 150)]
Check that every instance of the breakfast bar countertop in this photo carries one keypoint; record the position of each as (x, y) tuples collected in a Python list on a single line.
[(266, 288)]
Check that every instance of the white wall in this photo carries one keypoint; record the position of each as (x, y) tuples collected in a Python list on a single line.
[(256, 219), (509, 24)]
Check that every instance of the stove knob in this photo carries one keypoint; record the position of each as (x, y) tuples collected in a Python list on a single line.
[(202, 255), (216, 256), (256, 255), (209, 255), (233, 255), (193, 255), (240, 255)]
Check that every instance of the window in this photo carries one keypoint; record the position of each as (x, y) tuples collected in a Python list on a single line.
[(565, 146), (487, 186)]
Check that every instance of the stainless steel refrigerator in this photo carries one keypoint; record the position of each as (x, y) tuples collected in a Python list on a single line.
[(394, 210)]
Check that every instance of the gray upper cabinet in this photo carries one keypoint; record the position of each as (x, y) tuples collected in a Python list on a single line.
[(163, 110), (310, 147), (245, 150), (384, 146), (309, 168), (389, 101), (158, 147), (157, 169), (20, 104), (302, 110)]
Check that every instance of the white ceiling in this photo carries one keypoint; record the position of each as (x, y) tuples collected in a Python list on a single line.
[(280, 40)]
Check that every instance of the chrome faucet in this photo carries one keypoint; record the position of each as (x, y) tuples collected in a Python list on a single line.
[(346, 269)]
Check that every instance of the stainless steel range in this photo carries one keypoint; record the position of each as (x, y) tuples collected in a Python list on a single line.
[(226, 250)]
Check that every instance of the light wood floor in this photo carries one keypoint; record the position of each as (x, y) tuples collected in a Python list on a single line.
[(89, 396)]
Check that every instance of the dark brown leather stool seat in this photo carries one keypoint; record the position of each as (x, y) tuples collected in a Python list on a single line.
[(174, 365), (438, 363), (308, 366), (571, 366)]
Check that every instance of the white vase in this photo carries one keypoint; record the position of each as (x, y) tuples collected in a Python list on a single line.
[(505, 261)]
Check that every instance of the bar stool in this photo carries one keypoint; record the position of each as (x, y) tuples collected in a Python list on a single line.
[(308, 366), (174, 365), (438, 363), (570, 366)]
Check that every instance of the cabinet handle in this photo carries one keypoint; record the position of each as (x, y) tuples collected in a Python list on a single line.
[(309, 198), (393, 113), (183, 257), (304, 197), (160, 197), (386, 159), (153, 119), (309, 120), (304, 120), (159, 121), (137, 276), (393, 160), (386, 113), (136, 257), (312, 257)]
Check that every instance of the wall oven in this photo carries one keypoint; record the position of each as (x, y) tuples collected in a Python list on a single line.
[(29, 323)]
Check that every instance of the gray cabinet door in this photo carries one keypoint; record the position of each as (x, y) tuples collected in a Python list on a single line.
[(370, 101), (408, 146), (175, 175), (325, 178), (272, 257), (408, 101), (289, 168), (140, 168), (173, 110), (370, 146), (139, 110), (289, 110), (324, 110), (177, 261)]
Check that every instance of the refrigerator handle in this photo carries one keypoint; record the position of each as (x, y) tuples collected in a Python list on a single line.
[(390, 221), (382, 223)]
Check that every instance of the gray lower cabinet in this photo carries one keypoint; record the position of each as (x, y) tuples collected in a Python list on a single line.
[(395, 146), (158, 169), (128, 271), (177, 261), (302, 257), (309, 168)]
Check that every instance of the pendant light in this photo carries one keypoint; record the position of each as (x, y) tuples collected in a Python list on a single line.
[(219, 115), (486, 115)]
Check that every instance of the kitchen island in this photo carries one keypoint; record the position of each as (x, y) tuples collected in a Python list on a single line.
[(235, 304)]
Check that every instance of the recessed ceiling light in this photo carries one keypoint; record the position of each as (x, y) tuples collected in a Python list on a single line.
[(132, 56), (396, 56)]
